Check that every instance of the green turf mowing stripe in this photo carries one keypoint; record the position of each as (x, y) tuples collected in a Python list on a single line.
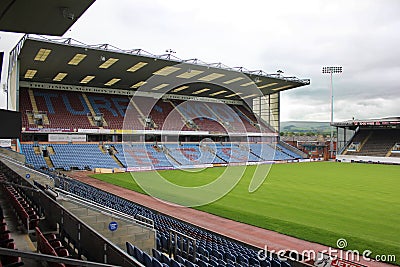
[(319, 202)]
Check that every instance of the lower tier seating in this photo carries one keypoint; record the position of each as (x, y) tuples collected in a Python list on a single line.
[(376, 142), (89, 156), (212, 249)]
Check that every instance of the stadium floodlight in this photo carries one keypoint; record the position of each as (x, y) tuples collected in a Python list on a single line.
[(331, 71), (169, 53)]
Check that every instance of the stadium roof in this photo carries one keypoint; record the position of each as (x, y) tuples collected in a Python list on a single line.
[(392, 122), (52, 17), (69, 62)]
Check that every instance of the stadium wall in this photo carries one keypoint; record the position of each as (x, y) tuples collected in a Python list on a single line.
[(367, 159), (140, 236), (12, 154)]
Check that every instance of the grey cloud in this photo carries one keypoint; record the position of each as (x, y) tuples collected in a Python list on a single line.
[(298, 37)]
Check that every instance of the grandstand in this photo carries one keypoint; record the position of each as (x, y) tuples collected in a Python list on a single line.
[(143, 120), (369, 140), (110, 120)]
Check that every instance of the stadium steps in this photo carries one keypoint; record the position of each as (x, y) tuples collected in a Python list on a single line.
[(117, 161), (45, 119), (251, 152), (113, 152), (92, 111), (258, 156), (391, 154), (246, 117), (49, 162), (33, 101), (30, 118), (98, 217), (104, 151), (230, 127), (37, 150), (364, 142), (50, 150), (140, 113), (218, 156), (157, 148), (184, 118), (167, 152)]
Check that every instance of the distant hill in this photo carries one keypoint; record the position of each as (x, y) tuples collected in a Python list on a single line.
[(305, 126)]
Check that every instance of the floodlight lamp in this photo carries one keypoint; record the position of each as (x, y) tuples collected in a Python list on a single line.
[(332, 70)]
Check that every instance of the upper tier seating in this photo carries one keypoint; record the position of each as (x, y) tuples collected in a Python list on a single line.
[(25, 105), (64, 109), (75, 110), (113, 109)]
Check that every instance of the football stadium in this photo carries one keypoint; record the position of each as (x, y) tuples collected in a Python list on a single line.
[(119, 157)]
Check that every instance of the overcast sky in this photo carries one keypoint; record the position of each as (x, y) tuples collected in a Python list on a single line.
[(298, 37)]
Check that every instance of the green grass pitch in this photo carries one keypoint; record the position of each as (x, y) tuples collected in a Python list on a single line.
[(319, 202)]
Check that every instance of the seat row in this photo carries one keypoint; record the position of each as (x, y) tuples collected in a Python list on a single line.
[(69, 110), (88, 156), (212, 249), (26, 214), (7, 242), (51, 245), (160, 259)]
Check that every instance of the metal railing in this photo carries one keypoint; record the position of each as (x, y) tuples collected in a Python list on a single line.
[(173, 244), (85, 240), (148, 223)]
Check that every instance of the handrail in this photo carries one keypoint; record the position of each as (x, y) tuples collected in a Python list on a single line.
[(173, 243), (15, 162), (50, 258), (84, 238), (103, 209)]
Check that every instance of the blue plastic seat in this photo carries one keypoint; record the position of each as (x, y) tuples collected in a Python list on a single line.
[(156, 263), (147, 260)]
